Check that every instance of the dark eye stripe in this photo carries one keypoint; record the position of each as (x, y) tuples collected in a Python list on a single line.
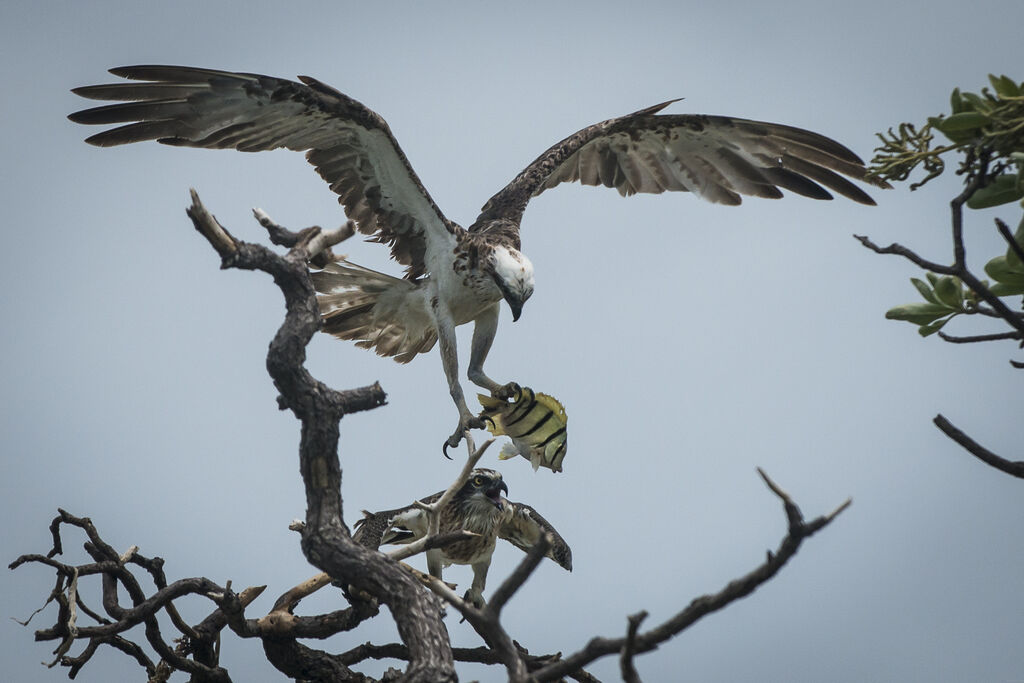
[(529, 422), (530, 407), (557, 433), (528, 404), (539, 424)]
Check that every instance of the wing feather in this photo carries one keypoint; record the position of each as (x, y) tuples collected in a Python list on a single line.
[(351, 146), (718, 158), (523, 530), (390, 526)]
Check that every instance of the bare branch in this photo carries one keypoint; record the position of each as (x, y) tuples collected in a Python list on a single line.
[(473, 457), (517, 578), (307, 664), (706, 604), (629, 673), (477, 655), (901, 250), (319, 247), (208, 226), (1015, 320), (1016, 468), (1000, 336), (326, 541), (131, 649), (290, 598), (429, 542), (1014, 246)]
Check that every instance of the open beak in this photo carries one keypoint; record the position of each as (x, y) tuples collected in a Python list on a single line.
[(494, 492)]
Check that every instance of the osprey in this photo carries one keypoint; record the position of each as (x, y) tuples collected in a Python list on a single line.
[(478, 507), (454, 275)]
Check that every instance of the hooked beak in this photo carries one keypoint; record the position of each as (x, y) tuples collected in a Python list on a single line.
[(494, 492), (514, 302), (516, 306)]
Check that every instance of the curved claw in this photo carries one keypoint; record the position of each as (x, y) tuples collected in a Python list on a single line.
[(511, 390), (465, 424), (486, 419), (451, 442), (475, 598)]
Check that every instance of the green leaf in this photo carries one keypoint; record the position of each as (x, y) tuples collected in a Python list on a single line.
[(932, 278), (919, 314), (1002, 190), (948, 290), (928, 330), (1000, 289), (974, 102), (1000, 270), (1004, 86), (1012, 260), (964, 121), (956, 103), (925, 290)]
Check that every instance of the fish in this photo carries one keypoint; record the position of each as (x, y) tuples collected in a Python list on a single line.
[(536, 423)]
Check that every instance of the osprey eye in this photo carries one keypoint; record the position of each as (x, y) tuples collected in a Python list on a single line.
[(478, 481)]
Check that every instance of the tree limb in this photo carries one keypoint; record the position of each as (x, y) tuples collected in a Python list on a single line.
[(706, 604), (326, 541), (629, 673), (1016, 468)]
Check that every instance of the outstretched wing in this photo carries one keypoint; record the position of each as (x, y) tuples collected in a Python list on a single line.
[(524, 528), (716, 157), (351, 146), (400, 525)]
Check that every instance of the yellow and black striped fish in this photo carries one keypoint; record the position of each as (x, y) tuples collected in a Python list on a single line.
[(536, 423)]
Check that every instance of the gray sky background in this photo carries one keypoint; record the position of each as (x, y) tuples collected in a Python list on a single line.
[(690, 343)]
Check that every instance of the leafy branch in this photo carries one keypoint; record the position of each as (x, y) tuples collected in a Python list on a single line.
[(987, 129)]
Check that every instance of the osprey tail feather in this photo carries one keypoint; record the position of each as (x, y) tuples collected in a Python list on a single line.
[(377, 311)]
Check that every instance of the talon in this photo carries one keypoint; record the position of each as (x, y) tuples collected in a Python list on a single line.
[(465, 424), (475, 598), (508, 391), (456, 438), (486, 419)]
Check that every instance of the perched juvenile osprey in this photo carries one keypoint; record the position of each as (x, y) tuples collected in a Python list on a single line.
[(454, 275), (478, 507)]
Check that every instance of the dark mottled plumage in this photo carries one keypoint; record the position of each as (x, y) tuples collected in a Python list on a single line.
[(478, 507)]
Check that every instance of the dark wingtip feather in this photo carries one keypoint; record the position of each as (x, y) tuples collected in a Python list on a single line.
[(135, 132), (654, 109), (169, 73), (794, 182)]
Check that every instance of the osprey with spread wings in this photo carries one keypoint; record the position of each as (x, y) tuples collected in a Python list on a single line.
[(454, 275)]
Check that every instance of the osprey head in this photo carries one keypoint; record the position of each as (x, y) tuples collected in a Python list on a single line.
[(483, 485), (513, 273)]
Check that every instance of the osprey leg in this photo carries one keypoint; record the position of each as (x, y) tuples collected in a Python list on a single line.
[(484, 330), (475, 594), (450, 361)]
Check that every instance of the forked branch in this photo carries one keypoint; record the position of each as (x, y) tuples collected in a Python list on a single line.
[(706, 604)]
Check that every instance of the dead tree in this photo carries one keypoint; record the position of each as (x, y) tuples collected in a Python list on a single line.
[(369, 579)]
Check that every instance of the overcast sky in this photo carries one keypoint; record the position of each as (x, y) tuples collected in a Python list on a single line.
[(689, 343)]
